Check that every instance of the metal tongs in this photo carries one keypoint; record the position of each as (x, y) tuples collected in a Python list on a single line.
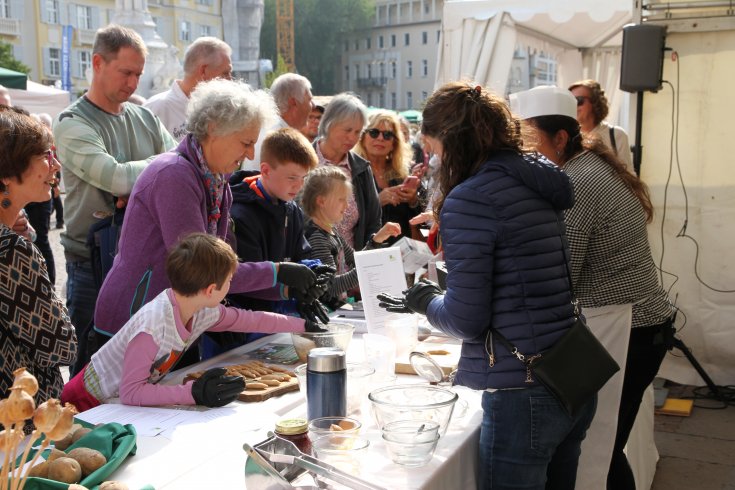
[(278, 458)]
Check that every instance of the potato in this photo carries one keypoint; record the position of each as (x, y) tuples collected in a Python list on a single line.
[(65, 470), (76, 486), (89, 459), (40, 470), (79, 433), (113, 485), (64, 442), (55, 454)]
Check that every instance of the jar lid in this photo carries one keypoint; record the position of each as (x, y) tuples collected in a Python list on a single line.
[(288, 427), (326, 360)]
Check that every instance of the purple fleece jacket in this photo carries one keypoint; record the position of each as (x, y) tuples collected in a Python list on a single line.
[(168, 202)]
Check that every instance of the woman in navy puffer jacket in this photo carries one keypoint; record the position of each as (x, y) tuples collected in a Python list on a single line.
[(499, 224)]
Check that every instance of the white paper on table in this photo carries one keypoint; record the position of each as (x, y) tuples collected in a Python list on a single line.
[(149, 421), (379, 271), (415, 254)]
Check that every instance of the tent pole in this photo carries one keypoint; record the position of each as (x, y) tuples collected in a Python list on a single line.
[(638, 148)]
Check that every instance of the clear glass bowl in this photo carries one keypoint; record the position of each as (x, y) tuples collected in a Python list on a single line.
[(346, 452), (337, 335), (413, 402), (328, 426), (411, 453), (411, 431)]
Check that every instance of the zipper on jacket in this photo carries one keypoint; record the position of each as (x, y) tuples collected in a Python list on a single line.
[(491, 351)]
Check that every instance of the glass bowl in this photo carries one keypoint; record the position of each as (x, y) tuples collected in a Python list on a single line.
[(413, 402), (346, 452), (411, 431), (333, 425), (337, 335), (411, 453)]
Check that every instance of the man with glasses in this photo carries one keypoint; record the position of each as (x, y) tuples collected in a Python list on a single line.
[(206, 58), (592, 109)]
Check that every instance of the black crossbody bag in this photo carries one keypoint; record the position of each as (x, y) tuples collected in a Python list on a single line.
[(575, 367)]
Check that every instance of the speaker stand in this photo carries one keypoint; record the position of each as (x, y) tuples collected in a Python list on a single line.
[(713, 388)]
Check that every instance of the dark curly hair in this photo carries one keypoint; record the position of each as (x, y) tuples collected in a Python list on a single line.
[(598, 100), (22, 138), (472, 124)]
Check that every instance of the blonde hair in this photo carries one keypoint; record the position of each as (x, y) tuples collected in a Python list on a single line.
[(320, 182), (399, 159)]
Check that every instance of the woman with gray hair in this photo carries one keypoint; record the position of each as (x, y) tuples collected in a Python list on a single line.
[(339, 131), (185, 191)]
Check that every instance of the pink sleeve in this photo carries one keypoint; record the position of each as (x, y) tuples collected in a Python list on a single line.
[(134, 386), (239, 320)]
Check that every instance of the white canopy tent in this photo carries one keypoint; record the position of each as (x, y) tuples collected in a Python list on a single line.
[(39, 98), (480, 37)]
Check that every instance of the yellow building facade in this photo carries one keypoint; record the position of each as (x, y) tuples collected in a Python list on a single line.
[(35, 29)]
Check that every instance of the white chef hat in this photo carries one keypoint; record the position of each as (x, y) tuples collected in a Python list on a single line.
[(543, 101)]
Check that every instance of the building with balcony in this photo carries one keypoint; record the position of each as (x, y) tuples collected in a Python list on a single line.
[(34, 29), (393, 63)]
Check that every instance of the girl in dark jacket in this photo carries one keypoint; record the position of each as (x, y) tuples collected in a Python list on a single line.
[(500, 212)]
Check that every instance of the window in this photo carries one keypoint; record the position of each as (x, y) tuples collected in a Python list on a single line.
[(54, 62), (85, 61), (393, 69), (409, 69), (381, 68), (52, 11), (393, 101), (381, 98), (427, 7), (409, 100), (369, 70), (438, 35), (424, 95), (185, 31), (357, 45), (5, 9), (204, 2), (368, 43), (357, 71), (392, 40), (424, 37), (424, 68), (84, 17), (545, 70), (380, 42), (347, 73), (407, 39), (205, 30), (347, 46), (369, 100)]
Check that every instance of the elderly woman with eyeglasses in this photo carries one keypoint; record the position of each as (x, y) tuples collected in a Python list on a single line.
[(592, 109), (339, 131), (185, 191), (35, 330), (389, 154)]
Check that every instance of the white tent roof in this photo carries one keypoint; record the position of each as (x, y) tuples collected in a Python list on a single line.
[(480, 36), (40, 98)]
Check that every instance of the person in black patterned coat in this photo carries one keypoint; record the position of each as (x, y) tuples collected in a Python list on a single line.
[(35, 330)]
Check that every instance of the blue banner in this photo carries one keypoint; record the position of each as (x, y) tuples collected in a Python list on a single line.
[(66, 33)]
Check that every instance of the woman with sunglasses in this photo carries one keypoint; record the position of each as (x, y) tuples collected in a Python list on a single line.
[(382, 144), (35, 331), (592, 109), (339, 131)]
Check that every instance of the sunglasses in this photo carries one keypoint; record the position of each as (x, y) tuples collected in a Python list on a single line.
[(387, 135), (581, 99)]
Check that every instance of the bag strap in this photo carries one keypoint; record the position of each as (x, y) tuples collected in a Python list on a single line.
[(612, 140), (507, 343)]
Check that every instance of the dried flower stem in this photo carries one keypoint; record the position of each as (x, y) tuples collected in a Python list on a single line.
[(43, 447)]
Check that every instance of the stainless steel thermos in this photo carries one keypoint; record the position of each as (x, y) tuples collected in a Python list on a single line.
[(326, 383)]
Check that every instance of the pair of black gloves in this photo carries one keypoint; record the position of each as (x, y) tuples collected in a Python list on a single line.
[(306, 286), (415, 299)]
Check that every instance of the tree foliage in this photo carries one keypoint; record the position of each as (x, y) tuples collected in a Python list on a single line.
[(7, 60), (280, 69), (320, 29)]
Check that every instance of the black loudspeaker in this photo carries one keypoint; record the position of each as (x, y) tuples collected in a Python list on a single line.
[(643, 58)]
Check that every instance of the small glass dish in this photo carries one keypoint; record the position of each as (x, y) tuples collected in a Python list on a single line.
[(411, 431), (411, 453), (345, 451), (333, 425)]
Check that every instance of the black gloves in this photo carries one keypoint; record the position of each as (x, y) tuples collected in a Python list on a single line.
[(324, 276), (415, 299), (214, 389), (295, 276), (314, 312), (313, 327)]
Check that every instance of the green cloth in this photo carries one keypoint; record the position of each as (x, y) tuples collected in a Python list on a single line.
[(114, 440), (13, 79)]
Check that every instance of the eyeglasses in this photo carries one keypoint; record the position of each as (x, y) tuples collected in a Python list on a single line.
[(581, 99), (387, 135)]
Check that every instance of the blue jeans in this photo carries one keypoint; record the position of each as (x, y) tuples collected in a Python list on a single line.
[(527, 440), (81, 296)]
